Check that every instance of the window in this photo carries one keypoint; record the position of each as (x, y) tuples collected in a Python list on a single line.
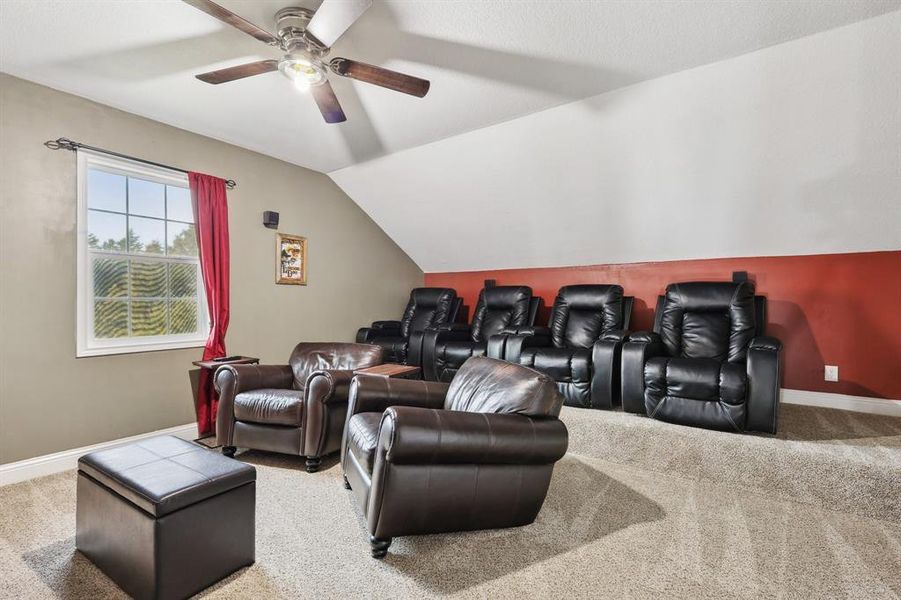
[(139, 282)]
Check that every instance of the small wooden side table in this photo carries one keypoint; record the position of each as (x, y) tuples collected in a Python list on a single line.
[(212, 365), (215, 364), (391, 370)]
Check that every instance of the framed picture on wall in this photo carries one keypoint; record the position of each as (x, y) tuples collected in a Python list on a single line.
[(291, 259)]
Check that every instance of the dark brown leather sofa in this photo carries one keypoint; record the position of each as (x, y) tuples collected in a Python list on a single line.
[(431, 457), (298, 408)]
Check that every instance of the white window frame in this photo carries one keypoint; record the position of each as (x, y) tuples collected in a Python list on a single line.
[(86, 344)]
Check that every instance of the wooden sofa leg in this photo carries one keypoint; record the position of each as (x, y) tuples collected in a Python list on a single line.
[(379, 546), (313, 463)]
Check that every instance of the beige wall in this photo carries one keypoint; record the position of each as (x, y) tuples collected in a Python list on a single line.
[(51, 401)]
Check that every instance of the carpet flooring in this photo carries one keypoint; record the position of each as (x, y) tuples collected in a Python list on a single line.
[(658, 517)]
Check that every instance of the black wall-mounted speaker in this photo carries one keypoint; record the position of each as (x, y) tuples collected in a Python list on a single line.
[(739, 276), (270, 219), (490, 283)]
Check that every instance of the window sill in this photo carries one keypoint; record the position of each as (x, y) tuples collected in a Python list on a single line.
[(135, 349)]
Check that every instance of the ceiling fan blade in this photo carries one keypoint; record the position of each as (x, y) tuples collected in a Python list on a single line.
[(328, 103), (227, 16), (392, 80), (334, 17), (239, 72)]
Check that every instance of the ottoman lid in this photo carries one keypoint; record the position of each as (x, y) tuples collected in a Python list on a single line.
[(164, 474)]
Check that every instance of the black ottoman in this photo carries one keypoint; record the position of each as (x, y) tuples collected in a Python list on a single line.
[(165, 518)]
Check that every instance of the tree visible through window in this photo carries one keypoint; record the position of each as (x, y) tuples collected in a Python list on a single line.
[(143, 280)]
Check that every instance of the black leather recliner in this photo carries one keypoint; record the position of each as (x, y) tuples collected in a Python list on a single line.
[(445, 348), (402, 340), (707, 362), (580, 349)]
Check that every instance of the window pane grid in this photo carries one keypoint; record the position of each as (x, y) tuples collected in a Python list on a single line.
[(140, 281), (155, 313), (151, 256)]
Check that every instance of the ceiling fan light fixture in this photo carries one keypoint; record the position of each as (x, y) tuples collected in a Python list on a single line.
[(302, 71)]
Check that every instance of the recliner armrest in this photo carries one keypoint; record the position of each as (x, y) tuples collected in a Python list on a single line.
[(373, 393), (515, 344), (378, 329), (764, 382), (427, 436), (765, 342), (614, 335), (637, 349), (606, 359), (528, 330), (447, 332), (645, 337), (452, 327)]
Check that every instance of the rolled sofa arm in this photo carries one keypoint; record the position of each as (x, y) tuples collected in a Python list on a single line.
[(606, 359), (427, 436), (231, 380), (329, 385), (373, 393), (764, 383), (638, 348)]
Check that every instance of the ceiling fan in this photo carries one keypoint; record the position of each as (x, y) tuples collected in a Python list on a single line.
[(306, 36)]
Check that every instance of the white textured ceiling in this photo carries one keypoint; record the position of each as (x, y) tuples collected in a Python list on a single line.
[(488, 61), (793, 149)]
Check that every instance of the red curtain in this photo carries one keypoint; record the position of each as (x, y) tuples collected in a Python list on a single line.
[(211, 220)]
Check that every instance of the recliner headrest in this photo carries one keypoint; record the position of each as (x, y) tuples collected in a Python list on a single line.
[(425, 297), (503, 297), (427, 307), (709, 296), (590, 297), (708, 320)]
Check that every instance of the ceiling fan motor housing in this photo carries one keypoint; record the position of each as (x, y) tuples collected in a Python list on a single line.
[(301, 62), (291, 28)]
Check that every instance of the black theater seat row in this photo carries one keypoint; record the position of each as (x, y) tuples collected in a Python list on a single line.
[(706, 363)]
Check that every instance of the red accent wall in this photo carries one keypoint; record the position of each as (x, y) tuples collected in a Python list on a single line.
[(837, 309)]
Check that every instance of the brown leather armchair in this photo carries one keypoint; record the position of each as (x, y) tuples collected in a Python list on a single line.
[(298, 408), (429, 457)]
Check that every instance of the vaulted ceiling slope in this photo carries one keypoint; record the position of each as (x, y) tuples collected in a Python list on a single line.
[(488, 61), (793, 149)]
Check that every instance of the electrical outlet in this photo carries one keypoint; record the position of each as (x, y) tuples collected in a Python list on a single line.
[(831, 373)]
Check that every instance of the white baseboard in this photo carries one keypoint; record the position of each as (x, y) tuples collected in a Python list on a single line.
[(875, 406), (68, 459)]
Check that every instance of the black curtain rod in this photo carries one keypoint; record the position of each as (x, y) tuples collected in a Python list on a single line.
[(67, 144)]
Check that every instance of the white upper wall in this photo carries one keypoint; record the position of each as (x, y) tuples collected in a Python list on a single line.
[(793, 149)]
